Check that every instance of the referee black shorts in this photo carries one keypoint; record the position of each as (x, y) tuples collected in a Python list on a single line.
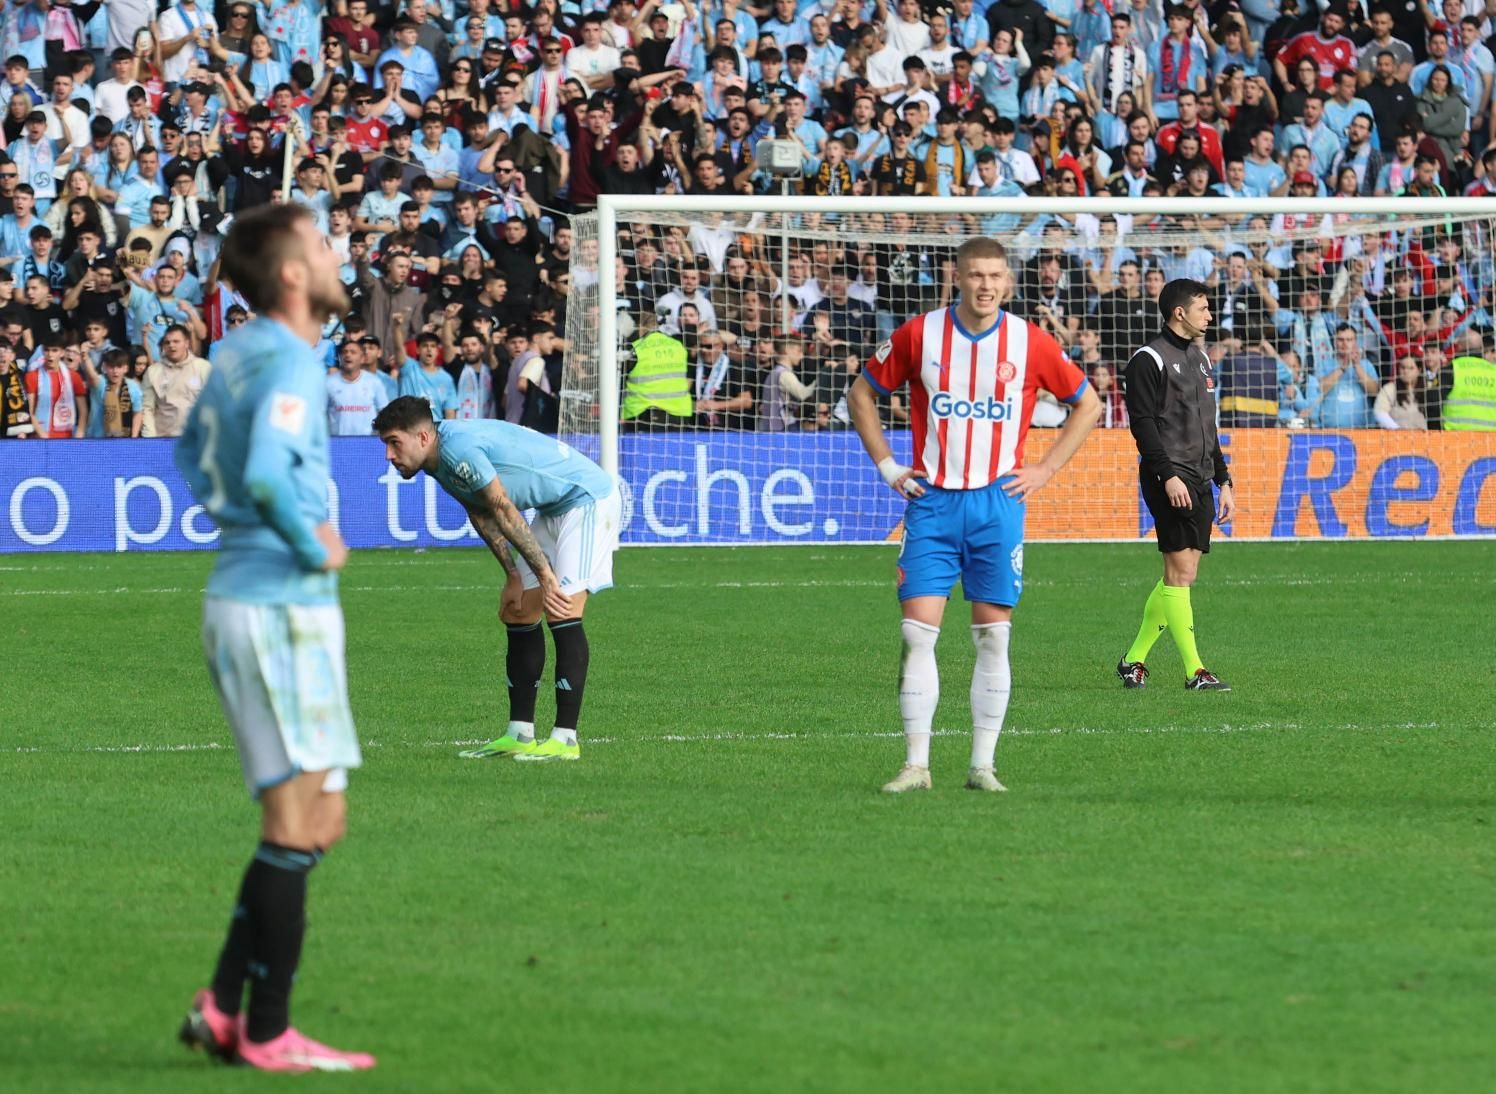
[(1179, 529)]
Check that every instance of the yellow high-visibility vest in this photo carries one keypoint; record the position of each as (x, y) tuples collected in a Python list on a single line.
[(658, 378), (1471, 403)]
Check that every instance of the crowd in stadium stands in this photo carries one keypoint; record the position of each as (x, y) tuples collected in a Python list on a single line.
[(443, 144)]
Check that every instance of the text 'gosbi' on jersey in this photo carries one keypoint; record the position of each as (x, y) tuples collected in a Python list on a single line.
[(971, 395)]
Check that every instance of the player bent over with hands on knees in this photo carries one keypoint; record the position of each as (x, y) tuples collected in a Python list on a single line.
[(1171, 409), (498, 470), (255, 453), (974, 372)]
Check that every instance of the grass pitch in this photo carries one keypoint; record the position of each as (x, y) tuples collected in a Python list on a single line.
[(1289, 887)]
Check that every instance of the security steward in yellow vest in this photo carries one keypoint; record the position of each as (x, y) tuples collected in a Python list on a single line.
[(657, 392), (1471, 402)]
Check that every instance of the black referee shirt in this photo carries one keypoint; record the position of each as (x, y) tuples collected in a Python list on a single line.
[(1171, 408)]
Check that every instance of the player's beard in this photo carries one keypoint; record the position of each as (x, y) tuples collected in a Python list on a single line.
[(330, 299)]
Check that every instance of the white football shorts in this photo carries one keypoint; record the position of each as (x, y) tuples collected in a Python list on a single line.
[(281, 677), (579, 545)]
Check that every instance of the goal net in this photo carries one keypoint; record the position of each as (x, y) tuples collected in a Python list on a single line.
[(712, 342)]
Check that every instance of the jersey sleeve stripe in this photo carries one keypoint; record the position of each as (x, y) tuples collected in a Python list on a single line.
[(1073, 399), (872, 382)]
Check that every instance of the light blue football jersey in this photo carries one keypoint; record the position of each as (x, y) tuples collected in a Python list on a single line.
[(536, 470), (436, 387), (255, 454)]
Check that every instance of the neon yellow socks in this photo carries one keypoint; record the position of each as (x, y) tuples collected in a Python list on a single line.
[(1181, 619), (1155, 622), (1168, 609)]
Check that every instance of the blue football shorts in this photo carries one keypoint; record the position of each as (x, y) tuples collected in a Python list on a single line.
[(975, 536)]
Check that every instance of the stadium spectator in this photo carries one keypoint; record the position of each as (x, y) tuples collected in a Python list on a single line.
[(354, 395), (1346, 383), (723, 392), (423, 376), (783, 394), (115, 400), (1326, 47), (172, 384), (57, 396), (1113, 402), (1247, 379), (1400, 403)]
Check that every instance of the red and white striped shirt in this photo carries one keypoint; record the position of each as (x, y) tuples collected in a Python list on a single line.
[(971, 396)]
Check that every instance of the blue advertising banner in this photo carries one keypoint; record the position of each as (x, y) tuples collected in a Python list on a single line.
[(741, 488), (106, 495)]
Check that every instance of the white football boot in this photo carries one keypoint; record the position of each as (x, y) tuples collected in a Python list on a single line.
[(910, 777), (982, 778)]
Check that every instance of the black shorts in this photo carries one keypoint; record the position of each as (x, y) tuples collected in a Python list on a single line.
[(1179, 529)]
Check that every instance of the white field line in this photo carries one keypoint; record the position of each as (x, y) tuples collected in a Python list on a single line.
[(710, 738), (1379, 578)]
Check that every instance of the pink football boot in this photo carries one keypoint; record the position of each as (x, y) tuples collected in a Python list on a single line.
[(208, 1028), (293, 1052)]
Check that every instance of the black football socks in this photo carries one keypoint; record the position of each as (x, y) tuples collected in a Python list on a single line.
[(274, 900), (523, 664), (571, 671)]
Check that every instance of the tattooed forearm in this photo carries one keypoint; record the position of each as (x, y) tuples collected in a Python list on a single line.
[(506, 557), (487, 527), (513, 526)]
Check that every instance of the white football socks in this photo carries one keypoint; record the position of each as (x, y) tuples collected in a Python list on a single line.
[(521, 731), (991, 683), (565, 736), (919, 689)]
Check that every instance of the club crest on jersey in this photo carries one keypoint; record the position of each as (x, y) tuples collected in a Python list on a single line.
[(883, 351), (1006, 371), (1176, 367), (288, 413), (981, 410)]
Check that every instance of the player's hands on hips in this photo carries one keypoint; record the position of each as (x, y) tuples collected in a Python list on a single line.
[(512, 598), (903, 479), (1179, 494), (337, 550), (1227, 507), (1023, 482), (557, 603)]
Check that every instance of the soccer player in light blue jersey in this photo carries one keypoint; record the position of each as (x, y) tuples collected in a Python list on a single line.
[(498, 470), (255, 453)]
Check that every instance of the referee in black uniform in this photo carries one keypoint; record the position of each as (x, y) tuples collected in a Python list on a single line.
[(1171, 404)]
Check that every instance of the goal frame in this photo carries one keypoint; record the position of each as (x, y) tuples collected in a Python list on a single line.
[(611, 208)]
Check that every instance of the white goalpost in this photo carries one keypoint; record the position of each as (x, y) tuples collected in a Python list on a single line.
[(773, 302)]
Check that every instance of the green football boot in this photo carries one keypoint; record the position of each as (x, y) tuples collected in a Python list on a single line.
[(550, 749), (501, 746)]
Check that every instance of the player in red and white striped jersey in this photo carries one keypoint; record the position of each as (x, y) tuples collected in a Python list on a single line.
[(974, 372), (971, 396)]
